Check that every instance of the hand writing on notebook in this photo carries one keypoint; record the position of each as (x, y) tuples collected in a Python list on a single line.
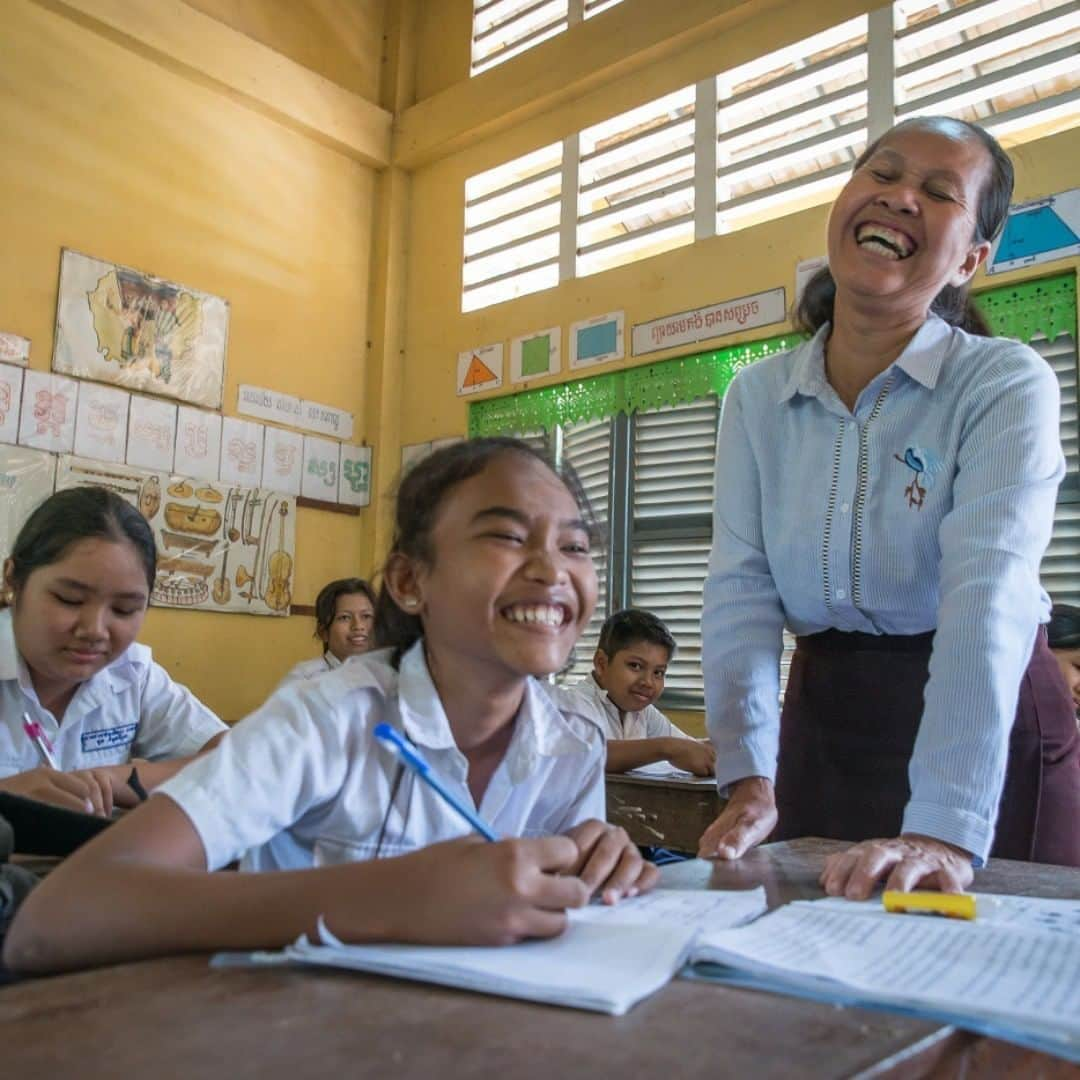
[(745, 821), (902, 862), (91, 791), (491, 893), (607, 861)]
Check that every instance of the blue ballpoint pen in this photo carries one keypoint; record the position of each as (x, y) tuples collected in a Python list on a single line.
[(408, 753)]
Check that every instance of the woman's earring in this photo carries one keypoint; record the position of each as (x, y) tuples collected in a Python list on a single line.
[(410, 601)]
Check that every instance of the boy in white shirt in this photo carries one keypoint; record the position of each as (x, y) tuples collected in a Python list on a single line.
[(628, 675)]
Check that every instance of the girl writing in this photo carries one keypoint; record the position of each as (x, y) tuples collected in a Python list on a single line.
[(76, 589), (489, 583)]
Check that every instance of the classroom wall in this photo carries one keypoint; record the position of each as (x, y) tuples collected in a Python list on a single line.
[(110, 151), (723, 267)]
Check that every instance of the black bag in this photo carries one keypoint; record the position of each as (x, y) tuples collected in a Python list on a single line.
[(15, 881)]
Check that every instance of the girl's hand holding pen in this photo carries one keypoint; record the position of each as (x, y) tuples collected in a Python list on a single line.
[(608, 861), (491, 893)]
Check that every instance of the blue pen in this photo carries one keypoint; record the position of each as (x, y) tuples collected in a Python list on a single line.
[(408, 753)]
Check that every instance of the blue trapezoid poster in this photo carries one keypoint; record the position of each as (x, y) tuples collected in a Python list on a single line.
[(1038, 232)]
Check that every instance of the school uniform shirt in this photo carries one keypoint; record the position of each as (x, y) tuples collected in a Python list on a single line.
[(130, 708), (927, 507), (308, 669), (303, 782), (588, 696)]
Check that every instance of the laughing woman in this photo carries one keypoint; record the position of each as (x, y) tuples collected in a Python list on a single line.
[(889, 494)]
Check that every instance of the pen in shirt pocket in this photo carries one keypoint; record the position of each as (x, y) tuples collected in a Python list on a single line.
[(40, 740), (411, 757)]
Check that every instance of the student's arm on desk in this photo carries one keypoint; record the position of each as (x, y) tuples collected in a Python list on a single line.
[(693, 755), (141, 889)]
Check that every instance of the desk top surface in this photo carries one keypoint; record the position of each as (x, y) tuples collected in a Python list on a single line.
[(177, 1017)]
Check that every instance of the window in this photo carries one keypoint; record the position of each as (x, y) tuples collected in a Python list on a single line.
[(1060, 570), (636, 194), (512, 229), (766, 138), (504, 28), (790, 125)]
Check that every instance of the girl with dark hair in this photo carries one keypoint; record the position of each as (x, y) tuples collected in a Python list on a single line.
[(888, 493), (76, 587), (488, 585), (344, 623)]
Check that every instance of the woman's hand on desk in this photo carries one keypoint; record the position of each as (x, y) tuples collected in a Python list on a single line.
[(89, 791), (745, 821), (609, 862), (902, 862)]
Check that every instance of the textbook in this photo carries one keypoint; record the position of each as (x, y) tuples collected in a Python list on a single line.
[(1012, 973), (608, 959)]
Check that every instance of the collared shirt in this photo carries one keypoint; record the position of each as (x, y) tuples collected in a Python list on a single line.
[(303, 782), (589, 697), (308, 669), (927, 507), (130, 708)]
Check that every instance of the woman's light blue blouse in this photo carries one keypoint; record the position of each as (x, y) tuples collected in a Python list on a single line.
[(927, 507)]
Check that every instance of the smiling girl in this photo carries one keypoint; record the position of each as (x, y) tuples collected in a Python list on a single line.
[(344, 623), (76, 589), (488, 585)]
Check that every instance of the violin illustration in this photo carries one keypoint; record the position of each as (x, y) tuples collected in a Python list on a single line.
[(222, 590), (279, 567)]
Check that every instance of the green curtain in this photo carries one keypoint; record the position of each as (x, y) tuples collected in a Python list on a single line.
[(1046, 306)]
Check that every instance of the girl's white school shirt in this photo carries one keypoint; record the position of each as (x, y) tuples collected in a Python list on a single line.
[(303, 782), (130, 708), (308, 669)]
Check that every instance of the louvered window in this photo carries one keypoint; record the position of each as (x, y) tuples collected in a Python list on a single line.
[(504, 28), (1060, 570), (1012, 67), (636, 175), (594, 7), (789, 126), (512, 229), (587, 446), (674, 453)]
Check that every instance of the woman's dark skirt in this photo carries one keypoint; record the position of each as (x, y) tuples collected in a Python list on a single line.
[(851, 714)]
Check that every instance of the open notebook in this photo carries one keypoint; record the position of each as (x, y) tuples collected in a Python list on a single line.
[(609, 958), (1013, 973)]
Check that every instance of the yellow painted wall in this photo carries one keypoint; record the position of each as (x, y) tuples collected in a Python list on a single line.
[(339, 39), (112, 154), (758, 258)]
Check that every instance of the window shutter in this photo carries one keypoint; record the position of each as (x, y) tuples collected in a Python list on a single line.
[(636, 176), (1060, 571), (504, 28), (789, 126), (512, 229), (674, 452), (587, 446), (1010, 66)]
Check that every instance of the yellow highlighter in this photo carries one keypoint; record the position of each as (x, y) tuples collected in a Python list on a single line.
[(951, 905)]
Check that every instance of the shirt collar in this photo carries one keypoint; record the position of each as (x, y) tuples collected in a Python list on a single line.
[(541, 729), (921, 359)]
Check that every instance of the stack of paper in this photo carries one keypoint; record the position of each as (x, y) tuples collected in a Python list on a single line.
[(1014, 972), (609, 958)]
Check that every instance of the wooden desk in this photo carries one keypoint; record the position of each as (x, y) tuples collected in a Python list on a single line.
[(178, 1018), (662, 811)]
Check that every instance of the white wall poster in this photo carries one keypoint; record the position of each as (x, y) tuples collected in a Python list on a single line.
[(480, 369), (354, 488), (101, 422), (241, 451), (11, 384), (26, 479), (198, 443), (321, 463), (151, 434), (47, 418), (283, 460)]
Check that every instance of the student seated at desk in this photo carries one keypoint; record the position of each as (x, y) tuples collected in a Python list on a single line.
[(76, 589), (628, 674), (344, 623), (488, 584)]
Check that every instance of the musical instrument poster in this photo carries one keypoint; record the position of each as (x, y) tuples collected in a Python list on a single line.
[(221, 547)]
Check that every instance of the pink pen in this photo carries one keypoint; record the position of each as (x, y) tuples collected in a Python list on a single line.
[(40, 741)]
